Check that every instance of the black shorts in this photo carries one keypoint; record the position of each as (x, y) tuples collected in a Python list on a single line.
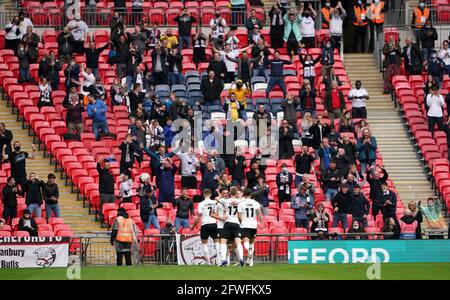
[(231, 231), (208, 230), (248, 233)]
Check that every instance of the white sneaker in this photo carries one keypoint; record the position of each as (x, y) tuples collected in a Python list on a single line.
[(251, 263)]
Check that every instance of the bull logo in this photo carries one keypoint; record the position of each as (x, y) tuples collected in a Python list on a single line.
[(45, 257)]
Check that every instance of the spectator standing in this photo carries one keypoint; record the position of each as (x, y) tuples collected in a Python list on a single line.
[(237, 12), (251, 23), (331, 177), (367, 146), (307, 26), (80, 33), (9, 200), (302, 203), (211, 88), (261, 194), (420, 16), (326, 14), (31, 41), (27, 223), (24, 57), (435, 103), (185, 21), (218, 26), (136, 11), (328, 79), (49, 68), (349, 148), (13, 35), (123, 235), (436, 68), (189, 166), (358, 96), (165, 181), (105, 183), (159, 66), (444, 55), (417, 214), (25, 22), (17, 158), (337, 17), (125, 189), (200, 45), (307, 97), (122, 51), (341, 206), (253, 174), (388, 203), (292, 32), (408, 225), (284, 183), (360, 206), (185, 208), (286, 135), (218, 65), (6, 137), (276, 73), (308, 64), (326, 153), (376, 191), (303, 164), (65, 47), (72, 73), (154, 36), (334, 102), (433, 217), (45, 98), (320, 220), (319, 130), (50, 192), (210, 177), (237, 168), (127, 149), (33, 190), (413, 60), (428, 35), (392, 61), (360, 22), (74, 115), (376, 15), (289, 106), (97, 112), (148, 206), (92, 55), (175, 60), (276, 15)]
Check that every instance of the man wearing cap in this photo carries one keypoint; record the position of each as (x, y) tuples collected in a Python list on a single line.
[(27, 223), (251, 24)]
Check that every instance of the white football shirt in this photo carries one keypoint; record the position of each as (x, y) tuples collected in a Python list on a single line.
[(219, 209), (204, 210), (232, 210), (248, 208)]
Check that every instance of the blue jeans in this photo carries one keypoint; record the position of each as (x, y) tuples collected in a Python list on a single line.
[(261, 71), (49, 208), (24, 74), (152, 220), (95, 71), (329, 194), (96, 126), (36, 209), (276, 80), (239, 182), (426, 53), (181, 223), (298, 180), (175, 78), (364, 167), (129, 82), (340, 217), (184, 40)]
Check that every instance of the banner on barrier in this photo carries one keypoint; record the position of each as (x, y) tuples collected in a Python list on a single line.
[(368, 251), (34, 252), (190, 251)]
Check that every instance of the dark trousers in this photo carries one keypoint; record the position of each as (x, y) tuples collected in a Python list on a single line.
[(292, 45), (276, 81), (189, 181), (276, 41), (159, 78), (360, 37), (309, 42), (359, 113), (432, 121), (136, 15), (229, 77), (283, 197), (78, 47), (373, 28), (21, 182), (120, 256), (237, 15), (9, 213), (302, 223), (337, 39), (391, 71), (124, 168)]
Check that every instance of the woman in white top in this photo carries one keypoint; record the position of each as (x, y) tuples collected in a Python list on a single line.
[(13, 35), (435, 103), (45, 98), (89, 81), (307, 27), (444, 54), (337, 16)]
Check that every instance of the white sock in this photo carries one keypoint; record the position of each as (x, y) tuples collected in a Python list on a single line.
[(240, 251), (250, 250), (218, 254), (246, 245), (223, 251), (206, 251), (228, 254)]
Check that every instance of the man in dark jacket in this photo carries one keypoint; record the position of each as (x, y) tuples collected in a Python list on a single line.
[(285, 147), (134, 59), (237, 169), (251, 23), (175, 60), (303, 163), (276, 15), (165, 181), (159, 67), (307, 97), (428, 35), (218, 66), (328, 79), (388, 203), (105, 183), (360, 206), (92, 54), (127, 155), (376, 193), (6, 137), (148, 206), (33, 194), (51, 196), (349, 148), (412, 58), (17, 159), (211, 88), (253, 174), (185, 207), (342, 206), (49, 68), (210, 178), (436, 68), (284, 183), (27, 223), (9, 200), (121, 58), (289, 106), (392, 61), (65, 48), (185, 21), (330, 180), (276, 73), (319, 130)]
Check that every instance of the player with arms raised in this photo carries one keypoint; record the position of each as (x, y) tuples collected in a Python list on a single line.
[(249, 212)]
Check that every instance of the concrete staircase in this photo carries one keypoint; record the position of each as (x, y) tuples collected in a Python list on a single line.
[(71, 210), (399, 155)]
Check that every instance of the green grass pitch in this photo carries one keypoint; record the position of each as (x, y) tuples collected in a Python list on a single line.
[(406, 271)]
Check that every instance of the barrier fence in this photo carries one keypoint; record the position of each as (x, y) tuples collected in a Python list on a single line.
[(161, 249)]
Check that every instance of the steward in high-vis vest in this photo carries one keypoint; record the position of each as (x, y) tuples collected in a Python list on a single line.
[(376, 16), (326, 15), (360, 22), (123, 235), (408, 226), (420, 16)]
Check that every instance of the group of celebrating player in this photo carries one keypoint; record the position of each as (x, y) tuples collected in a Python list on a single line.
[(228, 219)]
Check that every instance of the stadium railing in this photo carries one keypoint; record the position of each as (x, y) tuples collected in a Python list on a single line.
[(160, 249)]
